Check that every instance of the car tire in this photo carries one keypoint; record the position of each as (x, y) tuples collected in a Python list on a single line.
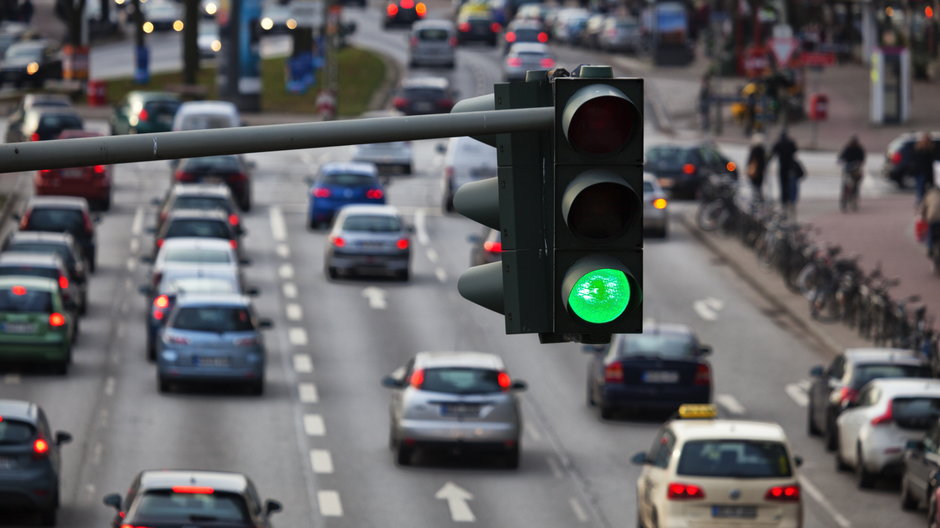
[(840, 463), (62, 368), (163, 385), (908, 501), (404, 275), (590, 395), (606, 411), (312, 225), (831, 435), (448, 203), (105, 204), (664, 232), (245, 204), (257, 388), (811, 428), (406, 169), (392, 442), (332, 273), (512, 457), (47, 517), (403, 455), (83, 307), (151, 350), (864, 479)]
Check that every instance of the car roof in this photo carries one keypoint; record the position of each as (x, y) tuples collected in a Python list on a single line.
[(363, 167), (529, 47), (42, 236), (426, 82), (196, 242), (896, 385), (33, 259), (718, 428), (201, 189), (167, 478), (525, 23), (896, 355), (208, 106), (22, 410), (370, 209), (72, 202), (190, 214), (222, 299), (471, 359), (153, 95), (39, 283), (47, 99)]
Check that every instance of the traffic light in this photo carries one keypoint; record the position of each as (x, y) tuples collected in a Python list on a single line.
[(597, 265)]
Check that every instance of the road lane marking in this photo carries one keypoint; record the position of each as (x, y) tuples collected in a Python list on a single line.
[(135, 246), (90, 489), (441, 274), (308, 393), (797, 394), (330, 505), (109, 386), (533, 432), (285, 271), (376, 297), (297, 336), (313, 425), (321, 461), (283, 251), (821, 499), (421, 228), (432, 255), (131, 263), (278, 227), (137, 225), (289, 290), (11, 379), (708, 309), (303, 364), (294, 312), (555, 466), (97, 451), (578, 510), (456, 498), (730, 404)]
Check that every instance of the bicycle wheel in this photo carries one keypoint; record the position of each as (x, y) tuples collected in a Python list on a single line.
[(825, 307), (712, 215), (807, 280)]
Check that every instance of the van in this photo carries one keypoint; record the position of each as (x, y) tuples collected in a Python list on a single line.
[(433, 43), (465, 160), (200, 115)]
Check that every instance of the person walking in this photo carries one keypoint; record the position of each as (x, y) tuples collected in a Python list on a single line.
[(785, 152), (852, 158), (705, 101), (929, 212), (756, 167), (922, 161)]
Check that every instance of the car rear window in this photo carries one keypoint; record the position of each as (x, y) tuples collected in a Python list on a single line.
[(19, 299), (423, 93), (204, 121), (201, 202), (28, 271), (648, 187), (734, 459), (15, 431), (213, 319), (869, 371), (39, 247), (198, 228), (433, 34), (52, 219), (219, 163), (527, 35), (203, 285), (461, 380), (372, 223), (667, 157), (656, 345), (915, 413), (169, 506), (197, 255), (161, 108), (59, 122), (349, 179)]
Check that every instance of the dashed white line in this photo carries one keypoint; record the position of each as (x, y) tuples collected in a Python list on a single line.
[(135, 246), (90, 489), (283, 251), (313, 425), (294, 312), (96, 453), (730, 403), (440, 274), (797, 394), (308, 393), (297, 336), (278, 227), (432, 255), (11, 379), (821, 499), (137, 225), (303, 364), (555, 466), (421, 228), (131, 264), (533, 432), (109, 386), (289, 290), (578, 510), (285, 271), (330, 505), (321, 461)]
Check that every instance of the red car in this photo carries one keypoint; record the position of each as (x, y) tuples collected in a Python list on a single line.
[(92, 183)]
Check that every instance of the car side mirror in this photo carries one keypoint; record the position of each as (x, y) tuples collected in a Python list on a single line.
[(441, 148), (113, 500), (391, 382), (145, 289), (265, 323), (519, 385), (704, 350), (817, 371), (272, 506), (62, 437), (252, 291), (798, 460), (640, 459)]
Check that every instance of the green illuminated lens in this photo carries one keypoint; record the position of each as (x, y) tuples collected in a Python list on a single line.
[(600, 296)]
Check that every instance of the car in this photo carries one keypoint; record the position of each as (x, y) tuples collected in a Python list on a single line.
[(568, 23), (403, 13), (201, 115), (276, 18), (31, 62), (703, 469), (620, 34), (590, 35), (50, 266), (92, 183), (144, 111), (465, 160), (63, 214), (655, 207), (369, 239), (425, 95), (42, 123), (899, 157), (526, 56), (682, 168), (454, 400), (486, 248), (61, 244), (921, 467), (196, 223), (173, 498), (524, 31), (209, 41), (391, 155), (837, 386), (478, 27), (36, 100), (339, 184), (12, 32), (212, 338), (199, 252), (209, 196), (32, 469), (232, 170), (432, 43), (163, 14), (873, 431), (660, 369), (35, 324)]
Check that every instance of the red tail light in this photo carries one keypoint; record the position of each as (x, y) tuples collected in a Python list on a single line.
[(239, 176), (159, 242), (99, 169), (233, 219), (495, 27), (158, 314), (613, 373), (547, 62), (162, 301), (504, 381), (338, 241), (402, 243), (514, 61), (34, 136), (132, 525), (677, 491), (45, 172), (464, 27), (493, 247), (407, 4), (321, 193), (783, 493), (18, 290), (143, 115), (233, 243), (183, 176), (421, 9), (731, 166), (543, 37), (63, 282), (375, 194), (510, 36), (56, 319), (703, 375), (885, 418), (688, 168), (445, 103), (847, 395), (40, 446), (192, 489), (399, 102), (391, 10), (896, 158), (417, 378)]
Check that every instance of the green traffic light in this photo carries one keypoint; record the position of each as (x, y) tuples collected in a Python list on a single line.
[(600, 295)]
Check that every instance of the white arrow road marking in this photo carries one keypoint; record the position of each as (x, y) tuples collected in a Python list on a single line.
[(730, 404), (798, 393), (456, 498), (708, 309), (578, 510), (376, 297)]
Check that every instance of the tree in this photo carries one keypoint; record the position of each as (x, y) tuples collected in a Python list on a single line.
[(70, 12)]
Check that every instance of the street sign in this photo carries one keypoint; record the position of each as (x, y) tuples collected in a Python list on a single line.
[(783, 48), (818, 59), (307, 13)]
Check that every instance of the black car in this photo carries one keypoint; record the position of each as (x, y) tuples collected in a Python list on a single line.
[(42, 123), (404, 12), (681, 169), (899, 158), (921, 472), (63, 214), (31, 101), (478, 27), (660, 369), (427, 95), (61, 244), (31, 62), (232, 170), (524, 31), (833, 388), (486, 248)]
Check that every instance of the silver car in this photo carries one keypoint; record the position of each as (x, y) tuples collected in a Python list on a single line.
[(394, 155), (456, 401), (433, 43), (655, 207), (369, 239), (524, 56)]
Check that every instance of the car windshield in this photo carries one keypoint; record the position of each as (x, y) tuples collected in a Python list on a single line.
[(39, 247), (24, 52), (204, 121), (197, 228), (869, 371), (461, 380), (657, 345), (51, 219), (433, 34), (197, 255), (667, 157), (15, 432), (372, 223), (28, 271), (213, 319), (915, 413), (166, 505), (25, 300), (203, 285), (349, 179), (201, 202), (218, 163), (734, 459)]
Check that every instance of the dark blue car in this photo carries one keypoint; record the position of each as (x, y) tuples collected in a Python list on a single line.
[(659, 369), (340, 184)]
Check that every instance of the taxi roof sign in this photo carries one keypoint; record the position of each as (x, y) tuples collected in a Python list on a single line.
[(697, 410)]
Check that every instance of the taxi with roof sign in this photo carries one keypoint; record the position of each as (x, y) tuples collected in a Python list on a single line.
[(707, 471), (35, 324)]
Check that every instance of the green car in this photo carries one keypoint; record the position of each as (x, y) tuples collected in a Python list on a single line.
[(141, 112), (35, 325)]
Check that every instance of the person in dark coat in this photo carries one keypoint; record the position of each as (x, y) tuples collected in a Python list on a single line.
[(785, 151), (922, 160), (26, 11), (757, 166)]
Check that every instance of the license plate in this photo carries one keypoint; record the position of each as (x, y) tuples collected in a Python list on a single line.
[(459, 409), (7, 463), (666, 182), (19, 328), (737, 512), (73, 173), (211, 361), (423, 107), (165, 119), (661, 376), (212, 179)]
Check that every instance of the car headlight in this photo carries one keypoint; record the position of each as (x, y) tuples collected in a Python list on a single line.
[(169, 356)]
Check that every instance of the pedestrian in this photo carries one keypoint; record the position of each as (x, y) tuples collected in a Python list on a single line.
[(922, 164), (929, 212), (756, 167), (785, 152), (705, 101)]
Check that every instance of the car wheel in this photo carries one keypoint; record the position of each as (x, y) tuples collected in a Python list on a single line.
[(62, 368), (590, 395), (606, 411), (840, 463), (403, 455), (312, 224), (163, 385), (449, 204), (404, 275), (664, 232), (105, 204), (512, 457), (864, 479), (245, 204), (332, 272), (257, 388), (74, 334), (406, 169), (908, 501), (811, 428), (831, 436), (151, 350), (392, 442), (47, 517)]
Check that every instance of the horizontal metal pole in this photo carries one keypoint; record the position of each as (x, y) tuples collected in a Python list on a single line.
[(82, 152)]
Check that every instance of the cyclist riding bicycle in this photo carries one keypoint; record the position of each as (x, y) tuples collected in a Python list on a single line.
[(852, 159)]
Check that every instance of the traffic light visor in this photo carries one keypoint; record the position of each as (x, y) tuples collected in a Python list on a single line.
[(598, 290), (599, 119)]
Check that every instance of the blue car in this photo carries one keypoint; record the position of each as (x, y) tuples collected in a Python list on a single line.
[(340, 184)]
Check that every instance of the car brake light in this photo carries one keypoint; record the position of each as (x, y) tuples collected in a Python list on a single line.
[(159, 242), (338, 241), (445, 103), (547, 62), (239, 176), (158, 314), (453, 42), (40, 446), (493, 246), (660, 203), (613, 372), (417, 378), (321, 193), (464, 27), (143, 115), (183, 176), (392, 10), (192, 489), (233, 243), (233, 219), (34, 136), (18, 290), (56, 319), (847, 395), (495, 27), (543, 36), (884, 418), (677, 491), (399, 102), (688, 168), (402, 243), (162, 301), (731, 166), (132, 525), (99, 169), (375, 194), (504, 381), (514, 61), (63, 282), (510, 36), (783, 493), (896, 158), (703, 375), (421, 9), (177, 340), (45, 172)]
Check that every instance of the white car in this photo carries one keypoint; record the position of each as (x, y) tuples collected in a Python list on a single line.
[(874, 430), (395, 155), (199, 115), (705, 471), (195, 251), (465, 160)]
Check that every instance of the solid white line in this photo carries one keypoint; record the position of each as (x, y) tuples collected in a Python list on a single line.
[(137, 226), (821, 499), (297, 336), (109, 386), (303, 364), (578, 510), (421, 228), (278, 227), (533, 432), (290, 291), (135, 246), (330, 505), (308, 393), (11, 379), (313, 425), (441, 274), (283, 250), (286, 271), (432, 255), (555, 466), (730, 403), (797, 394), (321, 461), (294, 312)]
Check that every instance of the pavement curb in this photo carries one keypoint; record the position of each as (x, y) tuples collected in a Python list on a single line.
[(383, 94)]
